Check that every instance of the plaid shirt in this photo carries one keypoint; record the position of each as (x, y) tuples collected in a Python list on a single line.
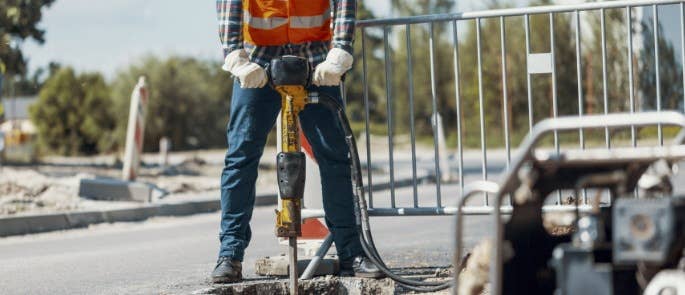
[(230, 16)]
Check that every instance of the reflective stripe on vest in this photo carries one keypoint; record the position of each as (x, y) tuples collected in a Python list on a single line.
[(306, 22), (296, 22), (264, 23)]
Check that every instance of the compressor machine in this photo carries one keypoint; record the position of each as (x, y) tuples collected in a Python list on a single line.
[(629, 237)]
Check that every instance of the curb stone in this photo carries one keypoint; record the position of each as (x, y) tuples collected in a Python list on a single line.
[(30, 224), (40, 223)]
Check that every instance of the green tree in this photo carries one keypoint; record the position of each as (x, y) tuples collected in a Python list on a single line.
[(516, 74), (189, 102), (30, 84), (399, 100), (543, 104), (18, 22), (354, 80), (422, 7), (73, 114), (671, 74)]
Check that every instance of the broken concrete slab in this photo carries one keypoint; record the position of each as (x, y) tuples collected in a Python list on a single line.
[(279, 266), (115, 190), (321, 285), (336, 285)]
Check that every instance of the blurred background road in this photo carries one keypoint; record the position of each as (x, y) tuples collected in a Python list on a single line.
[(175, 255)]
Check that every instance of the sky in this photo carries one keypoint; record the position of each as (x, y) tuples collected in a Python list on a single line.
[(108, 35)]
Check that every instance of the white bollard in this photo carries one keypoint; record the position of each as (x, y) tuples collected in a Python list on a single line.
[(445, 171), (135, 130), (164, 148)]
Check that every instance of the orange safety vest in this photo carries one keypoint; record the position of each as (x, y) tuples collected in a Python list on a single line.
[(280, 22)]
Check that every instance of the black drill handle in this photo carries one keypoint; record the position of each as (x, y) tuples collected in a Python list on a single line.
[(289, 70)]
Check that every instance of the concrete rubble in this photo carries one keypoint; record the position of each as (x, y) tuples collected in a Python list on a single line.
[(328, 285), (279, 266), (333, 285), (28, 190), (53, 187), (321, 285)]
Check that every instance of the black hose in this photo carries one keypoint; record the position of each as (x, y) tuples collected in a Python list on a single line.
[(361, 213)]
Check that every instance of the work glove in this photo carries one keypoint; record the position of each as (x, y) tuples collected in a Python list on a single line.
[(250, 74), (329, 72)]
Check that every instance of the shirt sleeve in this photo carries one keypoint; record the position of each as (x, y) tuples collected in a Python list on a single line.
[(230, 17), (343, 24)]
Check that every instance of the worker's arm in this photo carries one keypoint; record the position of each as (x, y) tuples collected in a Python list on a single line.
[(237, 61), (345, 17), (339, 59), (230, 17)]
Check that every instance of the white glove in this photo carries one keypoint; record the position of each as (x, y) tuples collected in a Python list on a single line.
[(329, 72), (250, 74)]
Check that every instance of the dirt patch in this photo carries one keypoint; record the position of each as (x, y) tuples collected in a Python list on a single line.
[(30, 191)]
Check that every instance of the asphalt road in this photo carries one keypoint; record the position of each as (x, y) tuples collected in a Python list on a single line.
[(175, 255)]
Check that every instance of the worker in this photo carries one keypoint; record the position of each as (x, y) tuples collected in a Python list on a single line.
[(252, 33)]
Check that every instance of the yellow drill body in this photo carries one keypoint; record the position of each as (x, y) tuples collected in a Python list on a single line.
[(293, 100)]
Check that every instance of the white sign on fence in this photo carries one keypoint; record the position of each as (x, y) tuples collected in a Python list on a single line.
[(540, 63)]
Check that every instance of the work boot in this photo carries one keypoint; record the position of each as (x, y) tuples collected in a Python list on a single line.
[(227, 271), (360, 267)]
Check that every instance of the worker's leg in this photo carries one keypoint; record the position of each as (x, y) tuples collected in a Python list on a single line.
[(327, 139), (252, 115)]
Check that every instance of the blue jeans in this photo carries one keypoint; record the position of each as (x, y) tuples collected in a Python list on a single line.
[(252, 115)]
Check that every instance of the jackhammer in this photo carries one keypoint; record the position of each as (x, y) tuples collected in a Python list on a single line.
[(290, 76)]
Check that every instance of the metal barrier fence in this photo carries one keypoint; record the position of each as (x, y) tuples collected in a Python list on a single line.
[(537, 64)]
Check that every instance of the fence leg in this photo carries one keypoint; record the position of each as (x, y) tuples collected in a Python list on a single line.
[(316, 260)]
